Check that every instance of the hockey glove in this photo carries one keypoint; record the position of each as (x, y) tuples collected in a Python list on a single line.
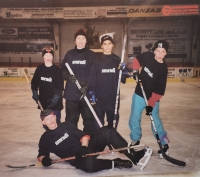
[(67, 76), (46, 162), (82, 151), (122, 66), (149, 110), (83, 90), (92, 97), (53, 101), (35, 95)]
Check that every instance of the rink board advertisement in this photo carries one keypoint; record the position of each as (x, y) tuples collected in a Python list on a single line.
[(142, 40), (100, 11)]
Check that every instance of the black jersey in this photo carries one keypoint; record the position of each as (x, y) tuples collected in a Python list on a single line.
[(80, 62), (104, 80), (64, 141), (153, 75), (49, 81)]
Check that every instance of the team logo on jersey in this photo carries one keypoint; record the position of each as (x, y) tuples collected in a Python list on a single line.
[(62, 139), (108, 70), (46, 79), (79, 62), (160, 45), (148, 72)]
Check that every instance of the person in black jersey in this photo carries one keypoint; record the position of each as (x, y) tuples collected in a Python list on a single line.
[(48, 80), (66, 140), (104, 81), (80, 60), (153, 76)]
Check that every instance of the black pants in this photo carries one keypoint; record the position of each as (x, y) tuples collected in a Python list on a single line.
[(103, 137), (74, 109), (110, 117)]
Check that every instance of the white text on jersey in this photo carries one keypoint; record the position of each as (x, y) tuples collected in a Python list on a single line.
[(148, 72), (62, 139), (46, 79), (108, 70), (79, 62)]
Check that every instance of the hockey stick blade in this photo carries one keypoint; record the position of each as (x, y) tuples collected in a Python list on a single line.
[(25, 166), (170, 159)]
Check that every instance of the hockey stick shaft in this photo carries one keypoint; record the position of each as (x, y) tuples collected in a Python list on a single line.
[(115, 121), (40, 105), (136, 148), (166, 157), (86, 99)]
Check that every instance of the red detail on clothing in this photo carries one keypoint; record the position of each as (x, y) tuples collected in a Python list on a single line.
[(153, 99), (136, 64), (38, 159), (85, 136)]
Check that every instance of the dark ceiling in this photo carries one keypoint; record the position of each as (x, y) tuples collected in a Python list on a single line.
[(85, 3)]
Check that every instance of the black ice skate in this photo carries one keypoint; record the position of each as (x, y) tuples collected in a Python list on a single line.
[(119, 163), (139, 158), (165, 149)]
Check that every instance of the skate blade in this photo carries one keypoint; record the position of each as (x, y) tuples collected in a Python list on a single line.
[(143, 162)]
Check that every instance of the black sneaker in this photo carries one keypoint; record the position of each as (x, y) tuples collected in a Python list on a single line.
[(122, 163), (165, 149)]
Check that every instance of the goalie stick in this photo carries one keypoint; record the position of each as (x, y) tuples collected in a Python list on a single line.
[(25, 74), (166, 157), (115, 122), (86, 99), (136, 148)]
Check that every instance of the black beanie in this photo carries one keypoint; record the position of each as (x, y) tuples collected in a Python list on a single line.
[(106, 37), (161, 44), (45, 113), (47, 49), (80, 32)]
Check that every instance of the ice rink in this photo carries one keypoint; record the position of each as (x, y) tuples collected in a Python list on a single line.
[(20, 129)]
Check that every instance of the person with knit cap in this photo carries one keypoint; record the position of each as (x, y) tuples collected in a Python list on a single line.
[(48, 80), (80, 60), (104, 81), (153, 76), (66, 140)]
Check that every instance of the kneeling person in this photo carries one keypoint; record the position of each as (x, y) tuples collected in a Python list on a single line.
[(65, 140)]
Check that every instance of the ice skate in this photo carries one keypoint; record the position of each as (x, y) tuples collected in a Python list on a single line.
[(139, 158), (165, 149), (119, 163)]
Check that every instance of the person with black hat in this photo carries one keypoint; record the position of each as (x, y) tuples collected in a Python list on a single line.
[(153, 76), (48, 80), (104, 81), (80, 60), (65, 140)]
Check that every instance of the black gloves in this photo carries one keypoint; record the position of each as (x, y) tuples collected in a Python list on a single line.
[(35, 95), (149, 110), (136, 74), (82, 151), (83, 89), (67, 76), (53, 101), (46, 162)]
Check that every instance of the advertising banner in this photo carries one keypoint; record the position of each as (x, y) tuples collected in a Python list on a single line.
[(79, 12), (22, 13)]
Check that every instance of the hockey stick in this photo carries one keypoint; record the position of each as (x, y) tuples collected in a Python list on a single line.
[(115, 122), (86, 99), (136, 148), (25, 74), (166, 157)]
